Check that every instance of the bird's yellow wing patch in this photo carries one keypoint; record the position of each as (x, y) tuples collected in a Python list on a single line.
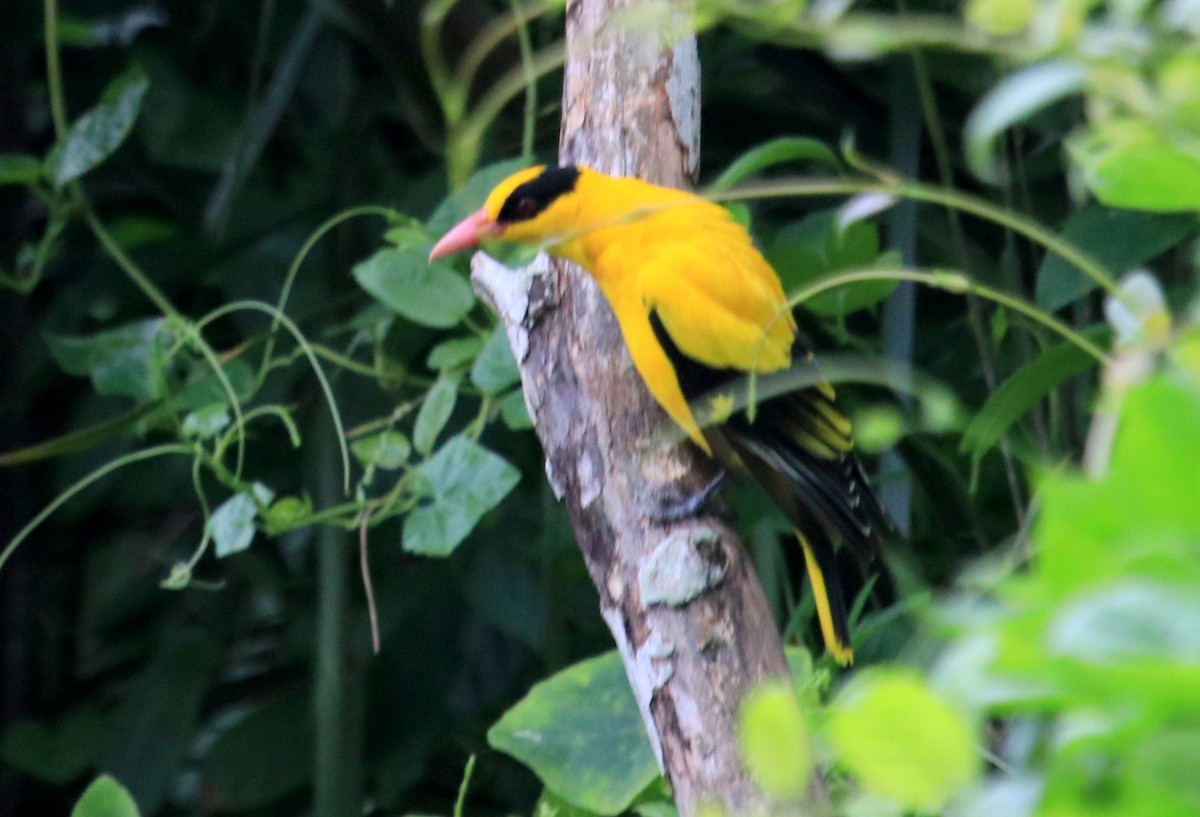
[(722, 307)]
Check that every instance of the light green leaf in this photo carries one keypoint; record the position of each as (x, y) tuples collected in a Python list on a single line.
[(777, 151), (466, 481), (1135, 620), (206, 422), (1119, 239), (286, 512), (454, 352), (1001, 17), (1021, 392), (232, 524), (105, 797), (426, 292), (126, 361), (18, 169), (495, 369), (581, 732), (98, 133), (514, 412), (387, 449), (435, 413), (1017, 97), (901, 741), (1130, 163), (775, 741)]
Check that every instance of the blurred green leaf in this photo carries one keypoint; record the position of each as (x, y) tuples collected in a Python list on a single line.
[(774, 740), (435, 413), (454, 352), (98, 133), (1128, 162), (1134, 620), (495, 369), (262, 757), (581, 732), (204, 389), (206, 422), (1023, 389), (514, 412), (287, 511), (388, 449), (777, 151), (466, 481), (814, 248), (470, 197), (18, 169), (1017, 97), (429, 293), (1119, 239), (126, 361), (54, 755), (105, 797), (901, 741), (155, 726), (1001, 17), (232, 524)]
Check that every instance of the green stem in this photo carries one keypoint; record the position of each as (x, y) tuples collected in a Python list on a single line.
[(99, 473), (531, 97), (935, 195), (956, 282), (294, 270), (330, 752), (54, 83)]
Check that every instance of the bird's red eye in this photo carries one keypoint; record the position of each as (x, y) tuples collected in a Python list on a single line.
[(526, 207)]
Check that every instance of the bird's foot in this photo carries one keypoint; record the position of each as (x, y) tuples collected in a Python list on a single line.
[(678, 508)]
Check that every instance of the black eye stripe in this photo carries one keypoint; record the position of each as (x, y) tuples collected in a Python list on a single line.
[(535, 195)]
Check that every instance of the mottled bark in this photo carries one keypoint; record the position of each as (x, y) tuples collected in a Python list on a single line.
[(683, 603)]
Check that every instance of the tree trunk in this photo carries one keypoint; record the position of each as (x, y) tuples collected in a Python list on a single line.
[(682, 601)]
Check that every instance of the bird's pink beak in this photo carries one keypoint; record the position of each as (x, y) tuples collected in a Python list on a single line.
[(466, 234)]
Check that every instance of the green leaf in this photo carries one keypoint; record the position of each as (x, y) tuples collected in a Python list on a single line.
[(429, 293), (54, 755), (777, 151), (775, 741), (815, 248), (1130, 163), (126, 361), (454, 352), (470, 197), (1001, 17), (262, 757), (155, 727), (1021, 392), (387, 449), (495, 369), (1129, 622), (105, 797), (466, 481), (581, 732), (901, 741), (207, 422), (232, 524), (1119, 239), (1017, 97), (435, 413), (98, 133), (204, 389), (286, 512), (18, 169), (514, 412)]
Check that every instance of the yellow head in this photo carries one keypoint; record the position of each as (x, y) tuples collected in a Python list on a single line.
[(533, 206)]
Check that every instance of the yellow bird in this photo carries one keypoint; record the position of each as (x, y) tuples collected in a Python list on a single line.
[(699, 308)]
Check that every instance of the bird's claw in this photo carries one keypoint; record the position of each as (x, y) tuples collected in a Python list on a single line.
[(678, 508)]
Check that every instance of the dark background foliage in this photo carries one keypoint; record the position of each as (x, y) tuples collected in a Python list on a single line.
[(260, 121)]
